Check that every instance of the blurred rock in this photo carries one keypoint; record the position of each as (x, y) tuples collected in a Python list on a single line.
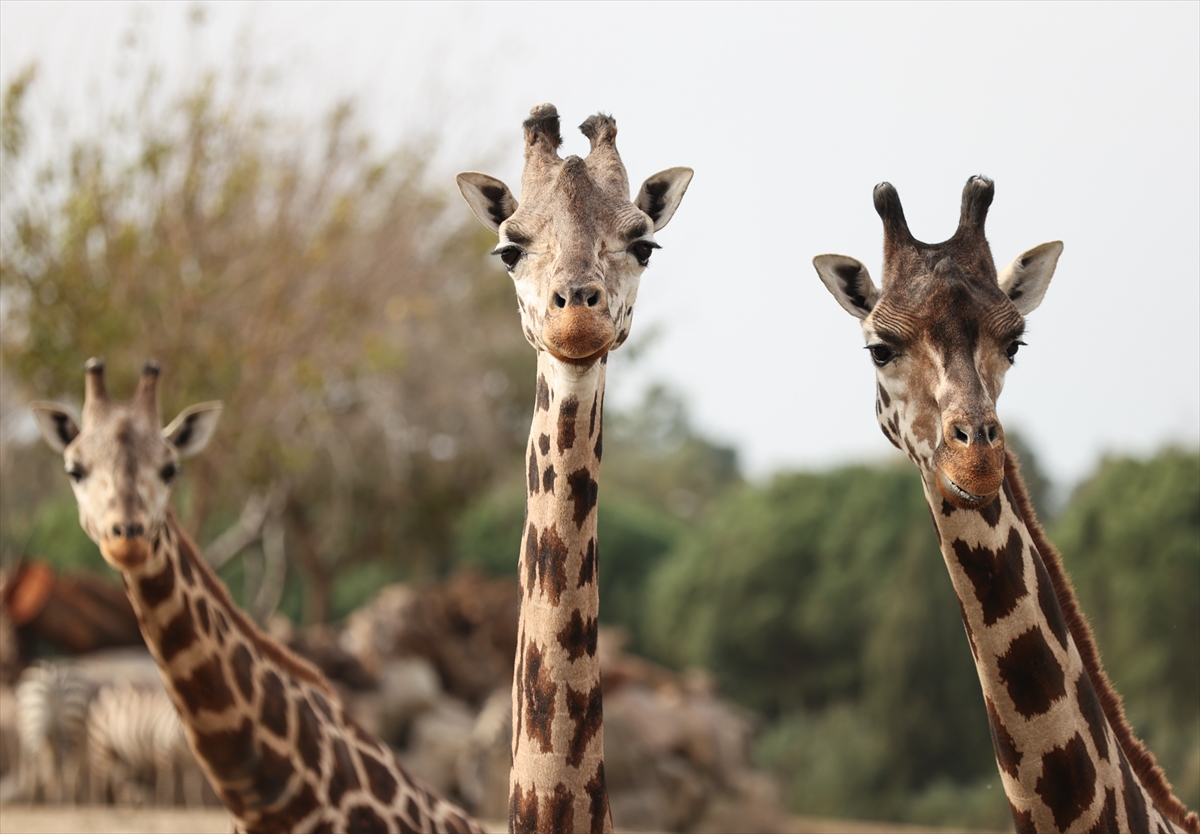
[(466, 626), (437, 740)]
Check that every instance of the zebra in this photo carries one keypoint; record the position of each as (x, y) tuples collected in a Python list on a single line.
[(52, 707), (138, 750)]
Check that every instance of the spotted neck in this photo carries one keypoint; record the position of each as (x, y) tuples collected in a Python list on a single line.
[(1068, 758), (267, 728), (557, 779)]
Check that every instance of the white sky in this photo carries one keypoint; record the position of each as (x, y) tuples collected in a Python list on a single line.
[(1087, 116)]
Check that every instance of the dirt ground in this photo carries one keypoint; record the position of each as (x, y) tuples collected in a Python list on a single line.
[(17, 819)]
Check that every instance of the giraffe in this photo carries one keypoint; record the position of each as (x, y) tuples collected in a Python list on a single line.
[(576, 248), (267, 727), (942, 331)]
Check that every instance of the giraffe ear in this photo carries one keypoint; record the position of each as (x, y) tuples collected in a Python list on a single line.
[(59, 426), (193, 428), (489, 198), (662, 193), (849, 282), (1025, 280)]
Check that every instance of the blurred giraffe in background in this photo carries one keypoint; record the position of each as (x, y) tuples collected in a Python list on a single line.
[(576, 247), (942, 332), (267, 728)]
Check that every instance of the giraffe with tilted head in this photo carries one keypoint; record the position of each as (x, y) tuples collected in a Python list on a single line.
[(576, 247), (942, 331), (267, 728)]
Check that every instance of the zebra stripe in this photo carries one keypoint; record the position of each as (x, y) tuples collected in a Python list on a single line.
[(52, 707)]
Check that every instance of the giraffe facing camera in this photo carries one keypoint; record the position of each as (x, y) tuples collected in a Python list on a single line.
[(942, 332), (576, 247), (266, 727)]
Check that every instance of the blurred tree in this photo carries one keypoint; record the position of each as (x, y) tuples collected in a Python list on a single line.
[(367, 353), (1130, 539), (657, 471), (821, 600)]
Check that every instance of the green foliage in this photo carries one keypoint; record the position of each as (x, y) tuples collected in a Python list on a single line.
[(1130, 539), (366, 350), (632, 537)]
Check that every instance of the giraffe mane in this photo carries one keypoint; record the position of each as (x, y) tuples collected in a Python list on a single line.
[(1140, 758), (287, 660)]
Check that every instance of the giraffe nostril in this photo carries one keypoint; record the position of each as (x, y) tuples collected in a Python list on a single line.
[(593, 299), (993, 434), (961, 436), (559, 301), (116, 530)]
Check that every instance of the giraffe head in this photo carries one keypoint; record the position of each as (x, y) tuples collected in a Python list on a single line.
[(121, 461), (942, 332), (575, 245)]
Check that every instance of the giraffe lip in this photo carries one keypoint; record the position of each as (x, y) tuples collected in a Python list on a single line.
[(955, 491)]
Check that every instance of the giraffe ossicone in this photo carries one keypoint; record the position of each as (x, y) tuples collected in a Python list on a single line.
[(576, 245), (942, 331), (266, 727)]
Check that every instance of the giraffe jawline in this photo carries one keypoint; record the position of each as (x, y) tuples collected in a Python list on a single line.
[(957, 495)]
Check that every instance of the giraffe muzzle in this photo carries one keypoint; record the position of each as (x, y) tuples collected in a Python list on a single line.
[(578, 330), (126, 545)]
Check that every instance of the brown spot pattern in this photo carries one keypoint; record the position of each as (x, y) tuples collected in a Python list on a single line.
[(241, 662), (1008, 757), (1068, 781), (544, 444), (599, 448), (533, 471), (578, 637), (343, 778), (522, 809), (567, 413), (990, 512), (155, 590), (548, 478), (997, 576), (1048, 601), (380, 779), (531, 558), (308, 736), (296, 810), (559, 812), (1093, 714), (1022, 821), (1107, 821), (274, 712), (543, 394), (185, 568), (597, 793), (587, 568), (206, 688), (586, 709), (552, 565), (178, 634), (584, 493), (1031, 673), (363, 820), (202, 616), (592, 419), (230, 754), (1136, 815), (271, 775), (540, 691)]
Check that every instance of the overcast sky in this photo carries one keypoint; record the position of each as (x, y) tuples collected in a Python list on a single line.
[(1087, 116)]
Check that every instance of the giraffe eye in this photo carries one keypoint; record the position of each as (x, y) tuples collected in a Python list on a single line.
[(510, 255), (169, 471), (642, 250), (76, 472), (881, 354), (1012, 349)]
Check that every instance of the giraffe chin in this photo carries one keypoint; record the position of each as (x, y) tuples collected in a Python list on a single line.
[(125, 553), (960, 497)]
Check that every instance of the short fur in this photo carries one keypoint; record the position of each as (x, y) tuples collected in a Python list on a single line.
[(1140, 759)]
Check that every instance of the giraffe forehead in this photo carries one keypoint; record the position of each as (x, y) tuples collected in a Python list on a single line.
[(949, 314), (122, 438)]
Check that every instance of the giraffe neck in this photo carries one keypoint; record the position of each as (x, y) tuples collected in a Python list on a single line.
[(1068, 758), (557, 779), (267, 728)]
